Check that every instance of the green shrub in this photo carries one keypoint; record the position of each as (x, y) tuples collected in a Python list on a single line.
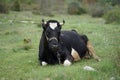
[(111, 2), (96, 10), (3, 8), (112, 16), (16, 6), (74, 8)]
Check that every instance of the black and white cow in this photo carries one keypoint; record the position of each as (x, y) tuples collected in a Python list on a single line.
[(64, 47)]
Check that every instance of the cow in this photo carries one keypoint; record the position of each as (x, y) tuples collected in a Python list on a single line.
[(64, 47)]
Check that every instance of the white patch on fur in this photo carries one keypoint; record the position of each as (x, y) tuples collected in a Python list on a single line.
[(44, 63), (53, 25), (75, 55), (67, 63)]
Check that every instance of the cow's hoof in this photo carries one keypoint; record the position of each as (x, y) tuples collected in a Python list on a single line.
[(99, 60), (67, 63), (44, 63)]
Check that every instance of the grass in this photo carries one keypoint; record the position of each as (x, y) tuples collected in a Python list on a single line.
[(17, 63)]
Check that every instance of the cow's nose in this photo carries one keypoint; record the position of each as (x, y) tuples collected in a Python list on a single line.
[(54, 47)]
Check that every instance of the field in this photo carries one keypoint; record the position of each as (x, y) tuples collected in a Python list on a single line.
[(19, 60)]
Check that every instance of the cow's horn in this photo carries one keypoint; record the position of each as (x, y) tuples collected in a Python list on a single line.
[(44, 22), (62, 22)]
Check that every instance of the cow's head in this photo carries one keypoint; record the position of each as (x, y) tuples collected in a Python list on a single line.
[(52, 29)]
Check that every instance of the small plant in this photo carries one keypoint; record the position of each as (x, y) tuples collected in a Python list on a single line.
[(27, 44), (74, 8), (27, 47), (112, 16)]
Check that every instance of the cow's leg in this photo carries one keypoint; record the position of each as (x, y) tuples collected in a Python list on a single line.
[(68, 60), (75, 55), (87, 55), (92, 52), (42, 60), (44, 63)]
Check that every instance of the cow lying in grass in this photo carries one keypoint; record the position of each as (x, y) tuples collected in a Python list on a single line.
[(64, 47)]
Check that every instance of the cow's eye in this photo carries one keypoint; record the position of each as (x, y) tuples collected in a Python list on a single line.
[(47, 33)]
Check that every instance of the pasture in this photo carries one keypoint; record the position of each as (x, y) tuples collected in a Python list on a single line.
[(19, 60)]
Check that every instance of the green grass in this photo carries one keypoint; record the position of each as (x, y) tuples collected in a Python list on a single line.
[(16, 63)]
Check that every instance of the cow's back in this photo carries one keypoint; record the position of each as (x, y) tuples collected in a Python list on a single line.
[(72, 39)]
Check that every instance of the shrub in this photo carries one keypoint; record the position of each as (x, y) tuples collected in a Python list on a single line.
[(96, 10), (112, 16), (3, 8), (16, 6), (111, 2), (74, 8)]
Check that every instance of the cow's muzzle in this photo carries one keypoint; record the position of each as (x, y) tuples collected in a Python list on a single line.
[(54, 47), (53, 43)]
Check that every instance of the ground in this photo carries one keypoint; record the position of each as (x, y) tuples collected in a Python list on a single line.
[(19, 60)]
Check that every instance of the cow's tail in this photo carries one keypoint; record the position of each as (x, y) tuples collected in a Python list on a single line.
[(90, 49), (86, 40)]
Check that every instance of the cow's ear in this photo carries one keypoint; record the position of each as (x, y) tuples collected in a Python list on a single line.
[(62, 23), (43, 24)]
